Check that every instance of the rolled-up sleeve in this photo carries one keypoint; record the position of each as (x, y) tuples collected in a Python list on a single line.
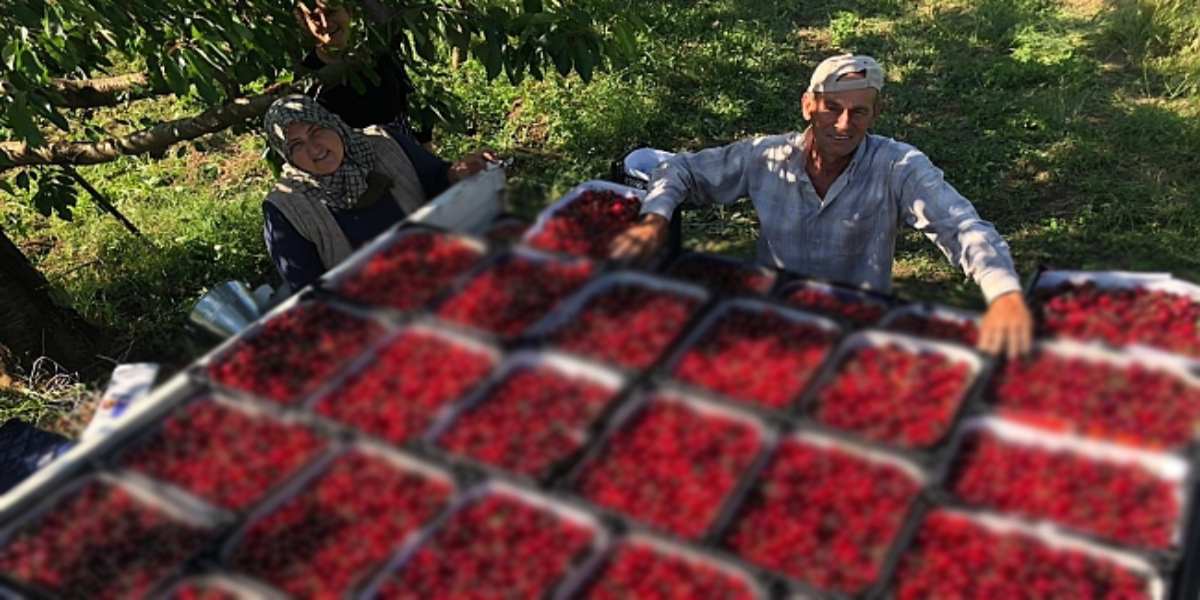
[(717, 175), (932, 206)]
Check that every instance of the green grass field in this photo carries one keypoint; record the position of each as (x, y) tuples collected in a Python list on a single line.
[(1074, 126)]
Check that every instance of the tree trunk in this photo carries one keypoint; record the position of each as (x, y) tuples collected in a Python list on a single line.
[(32, 324)]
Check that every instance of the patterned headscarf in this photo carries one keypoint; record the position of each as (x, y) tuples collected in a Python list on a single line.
[(340, 189)]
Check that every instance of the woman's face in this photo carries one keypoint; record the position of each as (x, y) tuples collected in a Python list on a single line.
[(314, 149)]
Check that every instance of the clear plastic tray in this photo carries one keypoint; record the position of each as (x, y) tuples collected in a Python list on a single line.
[(515, 253), (558, 362), (350, 268), (771, 276), (842, 294), (570, 308), (833, 440), (699, 334), (562, 510), (689, 553), (931, 311), (180, 508), (421, 326), (874, 339), (596, 185), (1173, 365), (1049, 537), (1169, 468), (627, 415), (403, 462)]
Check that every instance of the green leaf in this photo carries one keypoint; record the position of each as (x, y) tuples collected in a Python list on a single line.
[(20, 120), (51, 113), (9, 54), (625, 39), (56, 194), (533, 6), (173, 71), (584, 60), (488, 53), (561, 55)]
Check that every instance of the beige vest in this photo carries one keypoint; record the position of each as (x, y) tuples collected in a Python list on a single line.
[(312, 218)]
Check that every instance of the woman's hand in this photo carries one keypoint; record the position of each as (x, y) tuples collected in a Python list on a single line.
[(470, 165)]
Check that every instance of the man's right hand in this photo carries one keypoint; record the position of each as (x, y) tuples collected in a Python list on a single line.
[(641, 240)]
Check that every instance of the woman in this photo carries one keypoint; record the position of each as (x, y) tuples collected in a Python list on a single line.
[(340, 187)]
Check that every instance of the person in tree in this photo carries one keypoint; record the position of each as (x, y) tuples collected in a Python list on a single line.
[(340, 186), (329, 24), (830, 200)]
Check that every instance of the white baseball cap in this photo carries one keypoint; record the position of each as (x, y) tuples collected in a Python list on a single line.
[(826, 77)]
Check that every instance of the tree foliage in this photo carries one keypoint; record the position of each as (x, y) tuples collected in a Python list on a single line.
[(61, 55)]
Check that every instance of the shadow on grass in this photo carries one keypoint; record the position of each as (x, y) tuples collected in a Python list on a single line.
[(145, 292), (1016, 100)]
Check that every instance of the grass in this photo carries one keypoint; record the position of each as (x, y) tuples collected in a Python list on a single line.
[(1073, 125)]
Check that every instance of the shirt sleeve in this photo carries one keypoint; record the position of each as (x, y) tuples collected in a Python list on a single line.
[(931, 205), (717, 175), (433, 172), (295, 257)]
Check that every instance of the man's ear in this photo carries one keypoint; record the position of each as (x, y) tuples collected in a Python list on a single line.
[(808, 103)]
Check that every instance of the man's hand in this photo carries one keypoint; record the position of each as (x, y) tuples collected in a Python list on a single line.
[(641, 240), (470, 165), (1007, 326)]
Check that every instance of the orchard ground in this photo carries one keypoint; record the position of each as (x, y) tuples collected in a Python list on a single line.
[(1073, 125)]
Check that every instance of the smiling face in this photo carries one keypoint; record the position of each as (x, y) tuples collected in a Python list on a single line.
[(336, 17), (314, 149), (840, 120)]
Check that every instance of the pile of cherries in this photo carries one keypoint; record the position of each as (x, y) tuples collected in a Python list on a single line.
[(824, 516), (409, 273), (859, 311), (529, 422), (893, 395), (222, 454), (326, 539), (955, 557), (724, 276), (588, 224), (758, 357), (1122, 316), (294, 352), (1119, 501), (499, 544), (100, 542), (672, 467), (512, 294), (408, 385), (628, 325), (1133, 404), (937, 328), (642, 571)]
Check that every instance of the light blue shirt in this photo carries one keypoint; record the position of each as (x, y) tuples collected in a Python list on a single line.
[(850, 236)]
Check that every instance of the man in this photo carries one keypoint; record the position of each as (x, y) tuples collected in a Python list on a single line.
[(830, 199), (380, 102)]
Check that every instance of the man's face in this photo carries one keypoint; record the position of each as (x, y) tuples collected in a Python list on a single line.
[(840, 120)]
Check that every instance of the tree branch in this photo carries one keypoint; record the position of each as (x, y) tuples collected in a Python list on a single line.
[(153, 140), (103, 91)]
